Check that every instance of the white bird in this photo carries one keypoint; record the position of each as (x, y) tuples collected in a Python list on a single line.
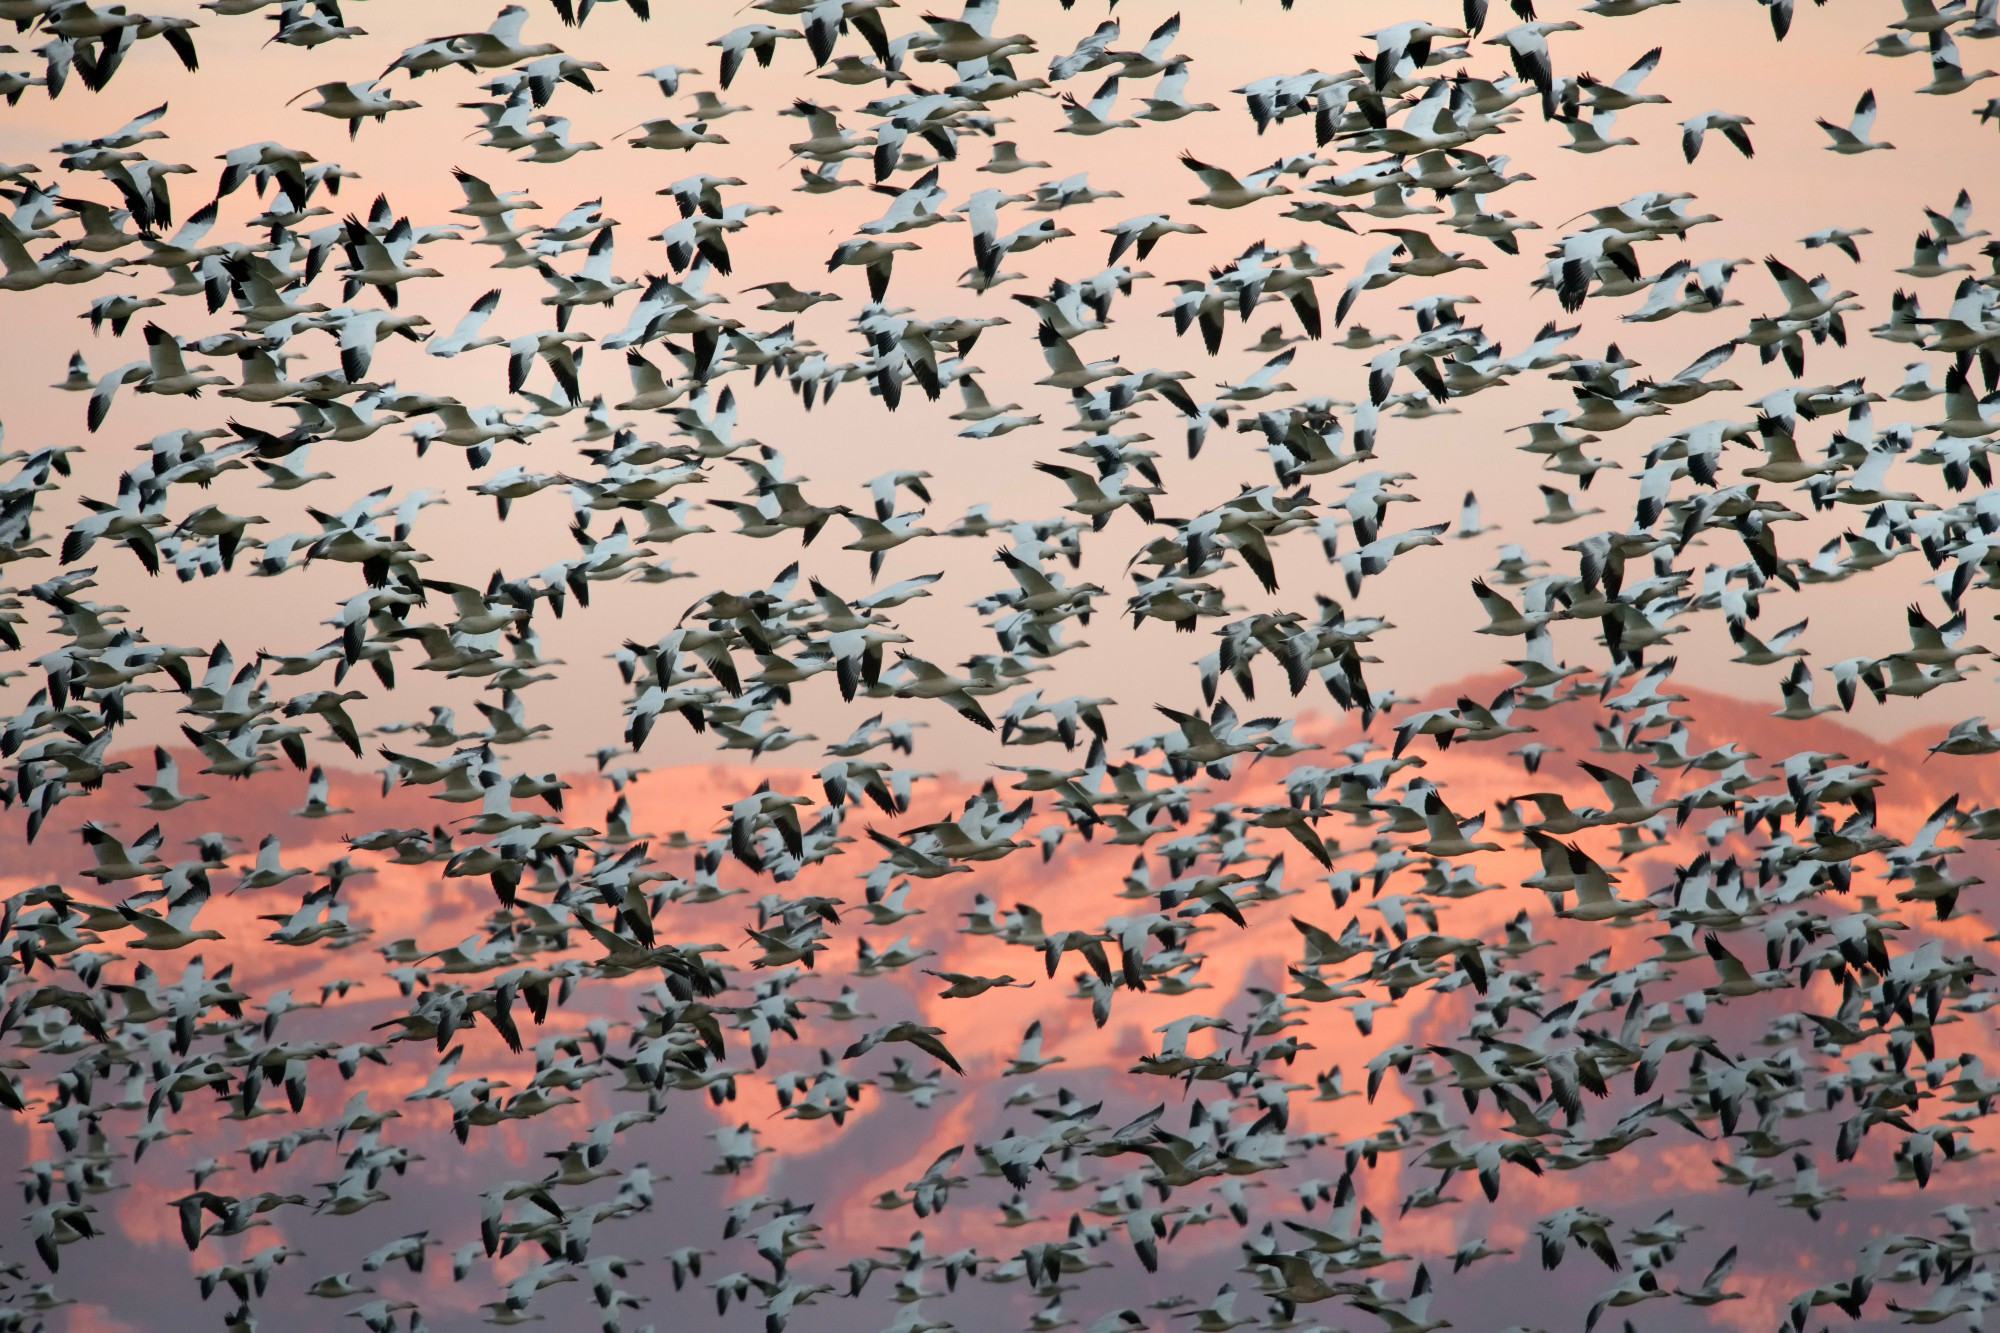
[(1853, 137)]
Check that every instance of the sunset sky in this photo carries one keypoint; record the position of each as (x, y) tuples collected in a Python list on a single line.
[(426, 926)]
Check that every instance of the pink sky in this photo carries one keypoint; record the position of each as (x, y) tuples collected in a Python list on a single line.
[(1716, 56)]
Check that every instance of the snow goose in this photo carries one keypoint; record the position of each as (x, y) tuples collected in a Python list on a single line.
[(1853, 137)]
